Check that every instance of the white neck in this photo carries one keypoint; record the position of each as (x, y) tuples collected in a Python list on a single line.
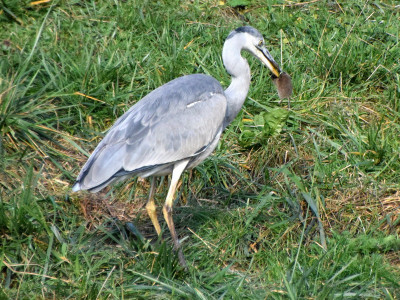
[(239, 69)]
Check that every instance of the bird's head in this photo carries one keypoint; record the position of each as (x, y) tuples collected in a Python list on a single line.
[(253, 42)]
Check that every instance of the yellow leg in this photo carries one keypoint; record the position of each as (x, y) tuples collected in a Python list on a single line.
[(167, 209), (152, 208)]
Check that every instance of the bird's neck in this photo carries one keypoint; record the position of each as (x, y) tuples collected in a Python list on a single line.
[(239, 69)]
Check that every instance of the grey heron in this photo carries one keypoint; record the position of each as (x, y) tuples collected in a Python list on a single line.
[(175, 127)]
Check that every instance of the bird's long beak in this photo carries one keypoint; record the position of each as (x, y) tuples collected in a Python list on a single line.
[(266, 58)]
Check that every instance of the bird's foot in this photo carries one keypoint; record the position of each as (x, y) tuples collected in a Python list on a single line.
[(181, 258)]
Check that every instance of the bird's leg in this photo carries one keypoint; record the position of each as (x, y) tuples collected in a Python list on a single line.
[(167, 209), (151, 206)]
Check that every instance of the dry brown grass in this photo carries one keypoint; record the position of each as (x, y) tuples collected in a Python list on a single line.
[(353, 209)]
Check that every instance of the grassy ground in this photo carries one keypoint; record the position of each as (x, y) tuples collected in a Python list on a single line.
[(68, 69)]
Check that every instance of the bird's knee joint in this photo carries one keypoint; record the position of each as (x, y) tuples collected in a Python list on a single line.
[(167, 209), (150, 206)]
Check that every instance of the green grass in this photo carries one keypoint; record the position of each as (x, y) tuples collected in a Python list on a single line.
[(249, 221)]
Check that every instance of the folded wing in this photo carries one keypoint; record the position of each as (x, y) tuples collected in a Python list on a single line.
[(176, 121)]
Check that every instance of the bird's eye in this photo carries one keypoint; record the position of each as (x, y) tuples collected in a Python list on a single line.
[(260, 43)]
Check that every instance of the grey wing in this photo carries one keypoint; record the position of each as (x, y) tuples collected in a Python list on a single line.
[(176, 121)]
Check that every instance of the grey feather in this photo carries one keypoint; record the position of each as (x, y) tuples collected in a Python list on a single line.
[(173, 122), (246, 29)]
